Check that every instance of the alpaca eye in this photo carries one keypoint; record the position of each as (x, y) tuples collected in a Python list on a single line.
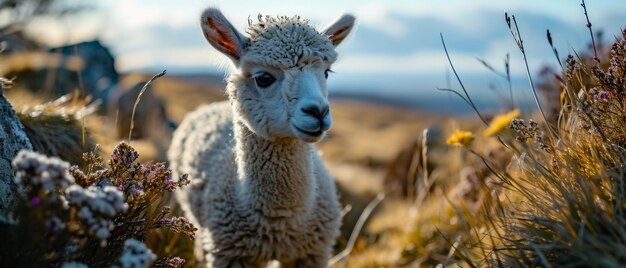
[(326, 72), (264, 80)]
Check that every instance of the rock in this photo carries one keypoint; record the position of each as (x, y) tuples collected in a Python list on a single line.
[(17, 42), (88, 67), (98, 75), (12, 140)]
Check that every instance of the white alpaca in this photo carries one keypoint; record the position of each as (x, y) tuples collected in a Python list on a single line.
[(259, 190)]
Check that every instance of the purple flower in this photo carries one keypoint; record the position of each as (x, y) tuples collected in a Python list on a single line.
[(146, 167), (166, 209), (169, 181), (176, 262), (120, 187), (604, 95), (36, 200)]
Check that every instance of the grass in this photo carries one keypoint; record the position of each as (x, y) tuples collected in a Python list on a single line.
[(541, 190), (561, 201), (532, 193)]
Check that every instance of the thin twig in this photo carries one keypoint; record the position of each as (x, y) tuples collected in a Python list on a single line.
[(520, 44), (81, 86), (357, 229), (456, 93), (507, 68), (469, 99), (506, 76), (346, 210), (143, 89), (556, 53), (425, 156), (593, 41)]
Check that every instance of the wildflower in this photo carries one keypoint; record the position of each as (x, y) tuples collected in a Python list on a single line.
[(571, 67), (39, 171), (36, 200), (176, 262), (97, 206), (604, 96), (136, 254), (461, 138), (501, 122), (166, 209)]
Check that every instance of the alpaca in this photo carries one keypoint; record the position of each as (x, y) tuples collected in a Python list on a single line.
[(259, 190)]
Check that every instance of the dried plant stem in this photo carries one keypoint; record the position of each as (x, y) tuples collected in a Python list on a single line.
[(507, 68), (81, 85), (506, 76), (554, 51), (143, 89), (467, 97), (520, 44), (593, 41), (346, 210), (424, 156), (357, 229)]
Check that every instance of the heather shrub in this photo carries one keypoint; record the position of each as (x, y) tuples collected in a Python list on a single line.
[(95, 216)]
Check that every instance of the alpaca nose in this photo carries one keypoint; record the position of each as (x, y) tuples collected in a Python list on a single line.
[(317, 111)]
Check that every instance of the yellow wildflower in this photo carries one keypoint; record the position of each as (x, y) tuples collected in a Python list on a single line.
[(461, 138), (500, 122)]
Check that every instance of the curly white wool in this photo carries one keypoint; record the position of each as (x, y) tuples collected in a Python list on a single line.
[(259, 189)]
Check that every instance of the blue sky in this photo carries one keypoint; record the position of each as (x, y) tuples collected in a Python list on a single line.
[(395, 49)]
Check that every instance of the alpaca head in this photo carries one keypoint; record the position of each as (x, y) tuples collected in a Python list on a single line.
[(278, 89)]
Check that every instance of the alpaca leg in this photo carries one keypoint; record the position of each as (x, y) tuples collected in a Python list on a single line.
[(311, 261)]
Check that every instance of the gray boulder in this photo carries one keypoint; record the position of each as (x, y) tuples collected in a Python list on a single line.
[(98, 75), (12, 140), (88, 67)]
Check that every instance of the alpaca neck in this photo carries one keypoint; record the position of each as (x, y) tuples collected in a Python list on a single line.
[(276, 176)]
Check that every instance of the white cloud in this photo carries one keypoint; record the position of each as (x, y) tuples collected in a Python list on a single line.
[(172, 58)]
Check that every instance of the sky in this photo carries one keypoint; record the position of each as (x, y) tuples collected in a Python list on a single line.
[(395, 50)]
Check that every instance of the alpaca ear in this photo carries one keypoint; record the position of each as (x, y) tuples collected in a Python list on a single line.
[(221, 34), (338, 31)]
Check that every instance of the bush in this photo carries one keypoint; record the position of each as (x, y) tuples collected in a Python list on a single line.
[(96, 216)]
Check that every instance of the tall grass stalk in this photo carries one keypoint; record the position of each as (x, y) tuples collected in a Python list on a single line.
[(143, 89), (561, 200)]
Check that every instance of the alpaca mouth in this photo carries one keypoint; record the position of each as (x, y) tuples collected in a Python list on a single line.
[(316, 134)]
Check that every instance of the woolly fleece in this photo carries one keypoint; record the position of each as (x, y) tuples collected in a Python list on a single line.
[(256, 199)]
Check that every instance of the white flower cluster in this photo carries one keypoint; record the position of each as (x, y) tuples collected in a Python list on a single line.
[(97, 206), (34, 169), (136, 255)]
